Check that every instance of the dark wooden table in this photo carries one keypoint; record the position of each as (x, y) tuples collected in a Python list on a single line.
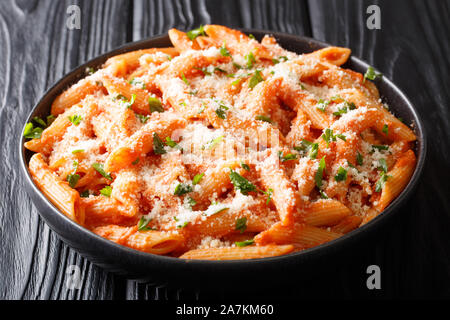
[(412, 48)]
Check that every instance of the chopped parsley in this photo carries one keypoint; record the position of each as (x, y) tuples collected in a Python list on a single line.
[(89, 70), (77, 151), (135, 162), (194, 33), (255, 79), (191, 202), (328, 136), (264, 118), (382, 165), (84, 194), (75, 119), (143, 119), (241, 224), (313, 151), (380, 147), (323, 195), (143, 224), (172, 143), (30, 132), (224, 51), (268, 193), (73, 177), (287, 157), (319, 174), (158, 146), (155, 105), (371, 74), (125, 102), (244, 243), (211, 144), (359, 158), (182, 188), (341, 175), (385, 129), (381, 181), (138, 83), (241, 183), (280, 59), (99, 168), (106, 191), (197, 178), (249, 60), (322, 105), (245, 166), (221, 111), (183, 77)]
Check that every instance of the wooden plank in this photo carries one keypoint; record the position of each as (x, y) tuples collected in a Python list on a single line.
[(411, 49), (37, 49)]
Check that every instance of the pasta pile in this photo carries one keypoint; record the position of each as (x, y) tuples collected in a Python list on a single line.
[(221, 147)]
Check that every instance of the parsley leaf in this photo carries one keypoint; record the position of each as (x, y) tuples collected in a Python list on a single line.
[(158, 146), (385, 129), (264, 118), (183, 77), (241, 183), (250, 60), (287, 157), (383, 165), (322, 105), (241, 224), (341, 175), (143, 224), (197, 178), (138, 83), (75, 119), (155, 105), (142, 118), (381, 181), (99, 168), (244, 243), (182, 188), (319, 174), (30, 132), (106, 191), (359, 158), (255, 79), (371, 74), (224, 51), (211, 144), (221, 111), (194, 33)]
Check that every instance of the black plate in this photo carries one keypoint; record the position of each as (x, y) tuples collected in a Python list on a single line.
[(182, 273)]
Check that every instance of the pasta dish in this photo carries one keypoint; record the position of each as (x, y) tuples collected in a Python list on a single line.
[(221, 147)]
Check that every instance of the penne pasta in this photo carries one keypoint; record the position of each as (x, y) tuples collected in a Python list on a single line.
[(221, 147), (238, 253)]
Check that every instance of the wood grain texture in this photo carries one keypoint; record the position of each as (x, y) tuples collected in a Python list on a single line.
[(37, 49), (412, 49)]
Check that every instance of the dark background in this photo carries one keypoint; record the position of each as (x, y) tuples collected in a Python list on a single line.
[(412, 49)]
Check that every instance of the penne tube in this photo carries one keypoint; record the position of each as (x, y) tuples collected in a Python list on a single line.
[(237, 253), (300, 235), (141, 142), (60, 194), (101, 210), (347, 224), (397, 179), (75, 94), (150, 241), (325, 213)]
